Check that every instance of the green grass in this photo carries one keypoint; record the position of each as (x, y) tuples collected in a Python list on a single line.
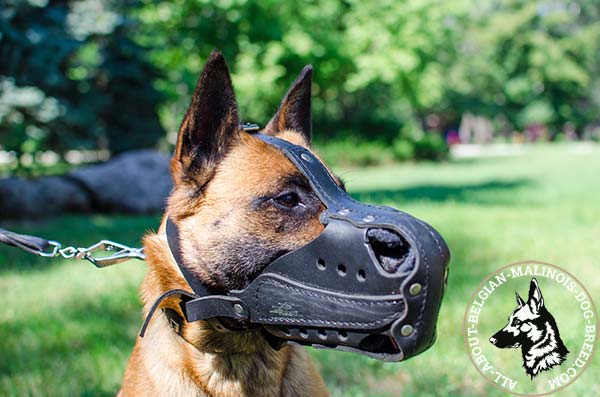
[(68, 329)]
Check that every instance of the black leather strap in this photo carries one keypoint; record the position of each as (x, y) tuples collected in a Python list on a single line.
[(193, 281), (183, 295), (31, 244)]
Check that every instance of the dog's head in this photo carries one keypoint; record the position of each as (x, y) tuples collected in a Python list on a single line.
[(239, 202), (242, 200), (526, 324)]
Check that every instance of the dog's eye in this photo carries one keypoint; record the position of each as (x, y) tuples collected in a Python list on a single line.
[(516, 322), (288, 200)]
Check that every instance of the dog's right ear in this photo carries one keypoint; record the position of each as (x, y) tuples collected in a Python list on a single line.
[(210, 126), (520, 301)]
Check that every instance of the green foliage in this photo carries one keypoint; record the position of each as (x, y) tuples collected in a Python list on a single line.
[(353, 152), (430, 147), (377, 63), (413, 143), (381, 63), (530, 62), (403, 150), (95, 73), (71, 77)]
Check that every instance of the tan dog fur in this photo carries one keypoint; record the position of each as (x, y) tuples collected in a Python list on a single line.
[(207, 362)]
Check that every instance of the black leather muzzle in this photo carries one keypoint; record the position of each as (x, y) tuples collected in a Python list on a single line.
[(372, 282)]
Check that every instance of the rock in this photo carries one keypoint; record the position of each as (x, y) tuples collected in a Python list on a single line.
[(134, 182), (21, 198)]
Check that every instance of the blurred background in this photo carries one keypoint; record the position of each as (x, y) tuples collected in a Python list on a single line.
[(481, 117)]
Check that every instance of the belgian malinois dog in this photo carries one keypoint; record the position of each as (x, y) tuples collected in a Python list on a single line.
[(532, 328), (239, 204)]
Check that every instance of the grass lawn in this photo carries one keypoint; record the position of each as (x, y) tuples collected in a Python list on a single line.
[(68, 329)]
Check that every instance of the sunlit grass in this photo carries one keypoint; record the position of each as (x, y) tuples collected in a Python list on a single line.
[(68, 329)]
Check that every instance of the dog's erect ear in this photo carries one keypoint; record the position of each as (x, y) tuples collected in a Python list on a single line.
[(210, 126), (294, 111), (535, 301), (520, 301)]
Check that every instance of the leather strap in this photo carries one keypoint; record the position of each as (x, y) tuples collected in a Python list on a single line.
[(183, 295), (194, 282), (31, 244)]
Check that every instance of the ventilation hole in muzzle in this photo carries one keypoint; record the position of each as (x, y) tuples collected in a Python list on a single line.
[(322, 334), (303, 333), (361, 275), (342, 335), (378, 344), (286, 331), (393, 252), (341, 269), (321, 264)]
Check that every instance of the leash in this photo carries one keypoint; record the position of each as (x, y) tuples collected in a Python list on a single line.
[(120, 252), (51, 249)]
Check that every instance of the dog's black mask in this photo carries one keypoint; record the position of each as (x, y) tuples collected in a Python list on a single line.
[(372, 282)]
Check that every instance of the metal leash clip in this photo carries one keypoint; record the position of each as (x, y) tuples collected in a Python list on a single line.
[(122, 253), (52, 249)]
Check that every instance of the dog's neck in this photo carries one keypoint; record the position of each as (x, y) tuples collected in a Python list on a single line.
[(545, 353), (214, 363), (206, 363)]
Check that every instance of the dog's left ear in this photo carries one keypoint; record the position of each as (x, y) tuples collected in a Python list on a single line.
[(535, 301), (294, 111)]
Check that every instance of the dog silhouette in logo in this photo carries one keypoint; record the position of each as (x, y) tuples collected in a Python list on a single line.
[(532, 328)]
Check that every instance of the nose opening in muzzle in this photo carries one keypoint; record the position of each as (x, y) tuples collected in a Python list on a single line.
[(393, 253)]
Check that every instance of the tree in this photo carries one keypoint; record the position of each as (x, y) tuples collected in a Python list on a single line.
[(529, 62), (73, 79)]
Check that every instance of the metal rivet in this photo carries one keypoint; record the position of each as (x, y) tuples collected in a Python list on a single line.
[(406, 330), (369, 218), (306, 157), (238, 309), (415, 289)]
